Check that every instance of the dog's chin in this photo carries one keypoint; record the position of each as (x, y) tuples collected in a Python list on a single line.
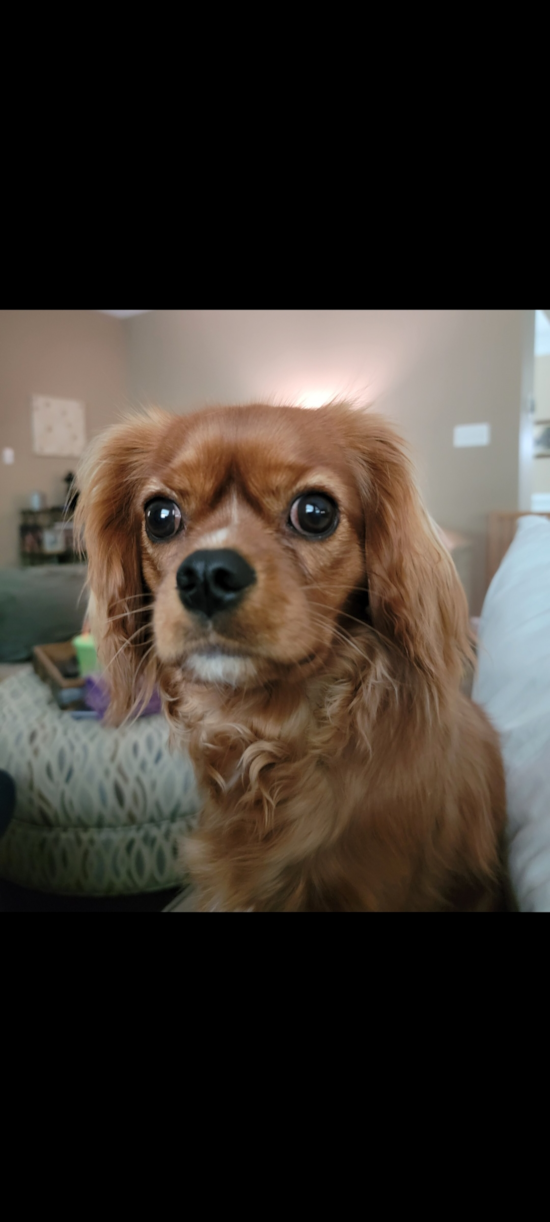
[(217, 666), (214, 664)]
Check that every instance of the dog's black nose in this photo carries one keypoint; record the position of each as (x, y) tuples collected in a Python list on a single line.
[(213, 580)]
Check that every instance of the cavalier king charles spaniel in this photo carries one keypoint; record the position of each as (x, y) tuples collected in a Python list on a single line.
[(274, 573)]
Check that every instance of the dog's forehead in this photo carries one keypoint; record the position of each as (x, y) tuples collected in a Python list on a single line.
[(261, 448)]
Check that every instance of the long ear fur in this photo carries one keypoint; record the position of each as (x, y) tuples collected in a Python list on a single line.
[(106, 519), (416, 598)]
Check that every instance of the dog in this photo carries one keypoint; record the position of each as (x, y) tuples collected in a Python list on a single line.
[(273, 571)]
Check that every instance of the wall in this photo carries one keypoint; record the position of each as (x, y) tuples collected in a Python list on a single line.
[(70, 354), (426, 369), (541, 474)]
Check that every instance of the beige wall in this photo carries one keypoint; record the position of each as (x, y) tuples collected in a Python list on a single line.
[(542, 387), (427, 369), (541, 475), (69, 354)]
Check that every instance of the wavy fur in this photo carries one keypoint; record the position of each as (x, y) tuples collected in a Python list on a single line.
[(341, 765)]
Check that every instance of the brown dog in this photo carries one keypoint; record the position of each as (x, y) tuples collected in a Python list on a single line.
[(273, 569)]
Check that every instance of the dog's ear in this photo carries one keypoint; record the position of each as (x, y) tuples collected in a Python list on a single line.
[(109, 525), (416, 598)]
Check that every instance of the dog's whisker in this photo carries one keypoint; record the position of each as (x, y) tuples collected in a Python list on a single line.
[(346, 639), (344, 636), (132, 611), (369, 629), (337, 585), (129, 598), (364, 623), (138, 699), (341, 634), (125, 646), (361, 622), (147, 654)]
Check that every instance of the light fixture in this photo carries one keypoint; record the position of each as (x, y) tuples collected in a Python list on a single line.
[(315, 398)]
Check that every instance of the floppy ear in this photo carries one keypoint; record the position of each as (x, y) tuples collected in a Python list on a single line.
[(108, 520), (416, 598)]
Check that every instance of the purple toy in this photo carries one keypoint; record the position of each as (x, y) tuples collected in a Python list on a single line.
[(97, 697)]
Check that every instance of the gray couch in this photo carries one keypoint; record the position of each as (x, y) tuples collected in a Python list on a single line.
[(39, 606), (88, 809)]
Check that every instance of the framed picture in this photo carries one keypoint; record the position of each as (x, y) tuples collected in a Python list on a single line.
[(541, 438), (58, 426)]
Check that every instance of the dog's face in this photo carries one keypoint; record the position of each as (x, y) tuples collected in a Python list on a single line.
[(251, 536), (245, 536)]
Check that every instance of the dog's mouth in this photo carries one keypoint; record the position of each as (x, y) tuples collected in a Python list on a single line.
[(214, 662), (218, 651)]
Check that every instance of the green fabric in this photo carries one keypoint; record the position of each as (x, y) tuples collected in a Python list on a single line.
[(39, 606)]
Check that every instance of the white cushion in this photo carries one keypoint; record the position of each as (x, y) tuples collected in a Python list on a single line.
[(513, 686)]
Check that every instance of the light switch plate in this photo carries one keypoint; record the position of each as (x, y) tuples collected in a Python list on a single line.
[(472, 435)]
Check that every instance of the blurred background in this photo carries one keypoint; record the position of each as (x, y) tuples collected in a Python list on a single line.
[(67, 374)]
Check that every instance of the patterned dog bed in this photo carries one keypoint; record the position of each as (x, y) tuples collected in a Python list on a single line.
[(99, 810)]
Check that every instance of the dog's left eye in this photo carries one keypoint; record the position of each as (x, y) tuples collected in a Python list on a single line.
[(314, 514), (162, 519)]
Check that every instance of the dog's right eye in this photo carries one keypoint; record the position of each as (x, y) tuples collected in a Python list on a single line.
[(162, 519)]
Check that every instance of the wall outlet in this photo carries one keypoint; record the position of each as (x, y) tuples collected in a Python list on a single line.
[(8, 456)]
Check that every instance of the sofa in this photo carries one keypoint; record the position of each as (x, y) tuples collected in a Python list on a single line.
[(98, 810)]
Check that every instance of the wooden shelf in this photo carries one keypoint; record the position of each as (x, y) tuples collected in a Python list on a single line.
[(46, 537)]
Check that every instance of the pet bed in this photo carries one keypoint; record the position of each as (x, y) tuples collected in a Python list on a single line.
[(99, 810)]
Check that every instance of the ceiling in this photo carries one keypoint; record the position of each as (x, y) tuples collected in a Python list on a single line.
[(122, 313)]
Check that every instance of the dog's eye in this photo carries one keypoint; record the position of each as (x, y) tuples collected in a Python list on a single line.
[(313, 513), (162, 519)]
